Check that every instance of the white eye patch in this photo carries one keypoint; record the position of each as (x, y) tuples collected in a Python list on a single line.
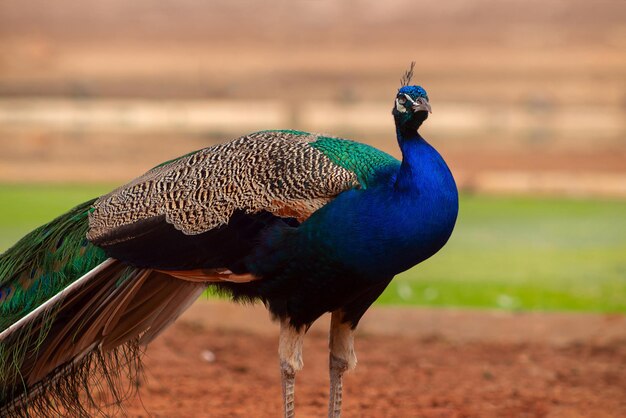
[(410, 99), (400, 102), (399, 106)]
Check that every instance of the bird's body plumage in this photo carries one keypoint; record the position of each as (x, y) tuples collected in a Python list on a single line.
[(305, 223)]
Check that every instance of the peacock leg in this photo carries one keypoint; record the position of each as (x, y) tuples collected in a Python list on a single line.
[(290, 354), (342, 358)]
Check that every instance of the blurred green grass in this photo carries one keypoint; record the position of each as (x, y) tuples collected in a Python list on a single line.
[(506, 252), (525, 253), (24, 207)]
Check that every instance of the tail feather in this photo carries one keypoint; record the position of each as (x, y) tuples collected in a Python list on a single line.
[(63, 351), (81, 331), (45, 262)]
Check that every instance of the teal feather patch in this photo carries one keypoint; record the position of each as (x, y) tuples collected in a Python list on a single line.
[(368, 163), (44, 262)]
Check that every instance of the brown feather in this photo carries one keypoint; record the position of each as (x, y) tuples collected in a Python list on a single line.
[(210, 276), (274, 171)]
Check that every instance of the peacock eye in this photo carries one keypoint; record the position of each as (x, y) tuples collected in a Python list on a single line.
[(401, 100)]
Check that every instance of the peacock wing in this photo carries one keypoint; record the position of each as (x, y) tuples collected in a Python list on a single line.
[(204, 210)]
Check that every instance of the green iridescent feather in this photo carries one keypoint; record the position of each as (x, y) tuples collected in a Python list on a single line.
[(44, 262), (368, 163)]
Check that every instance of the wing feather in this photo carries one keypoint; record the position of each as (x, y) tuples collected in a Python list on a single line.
[(277, 172)]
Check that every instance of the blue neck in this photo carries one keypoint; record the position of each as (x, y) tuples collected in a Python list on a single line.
[(413, 147)]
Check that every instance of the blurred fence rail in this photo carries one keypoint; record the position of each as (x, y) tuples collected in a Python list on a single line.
[(525, 148), (364, 118)]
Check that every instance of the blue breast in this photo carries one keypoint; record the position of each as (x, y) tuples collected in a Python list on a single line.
[(390, 227)]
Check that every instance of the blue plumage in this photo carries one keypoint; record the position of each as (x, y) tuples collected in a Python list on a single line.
[(414, 91)]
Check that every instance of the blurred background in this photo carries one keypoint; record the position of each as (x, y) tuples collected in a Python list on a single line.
[(528, 97)]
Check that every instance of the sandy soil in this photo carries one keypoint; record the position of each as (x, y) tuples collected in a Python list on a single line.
[(412, 363)]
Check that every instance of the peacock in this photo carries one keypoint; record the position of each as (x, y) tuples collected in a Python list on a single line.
[(307, 224)]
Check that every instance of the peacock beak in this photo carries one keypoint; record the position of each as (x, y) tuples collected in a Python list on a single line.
[(422, 104)]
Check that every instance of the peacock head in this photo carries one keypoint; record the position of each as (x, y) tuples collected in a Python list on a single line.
[(411, 108)]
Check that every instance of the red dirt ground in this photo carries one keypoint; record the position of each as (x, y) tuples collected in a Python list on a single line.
[(412, 363)]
